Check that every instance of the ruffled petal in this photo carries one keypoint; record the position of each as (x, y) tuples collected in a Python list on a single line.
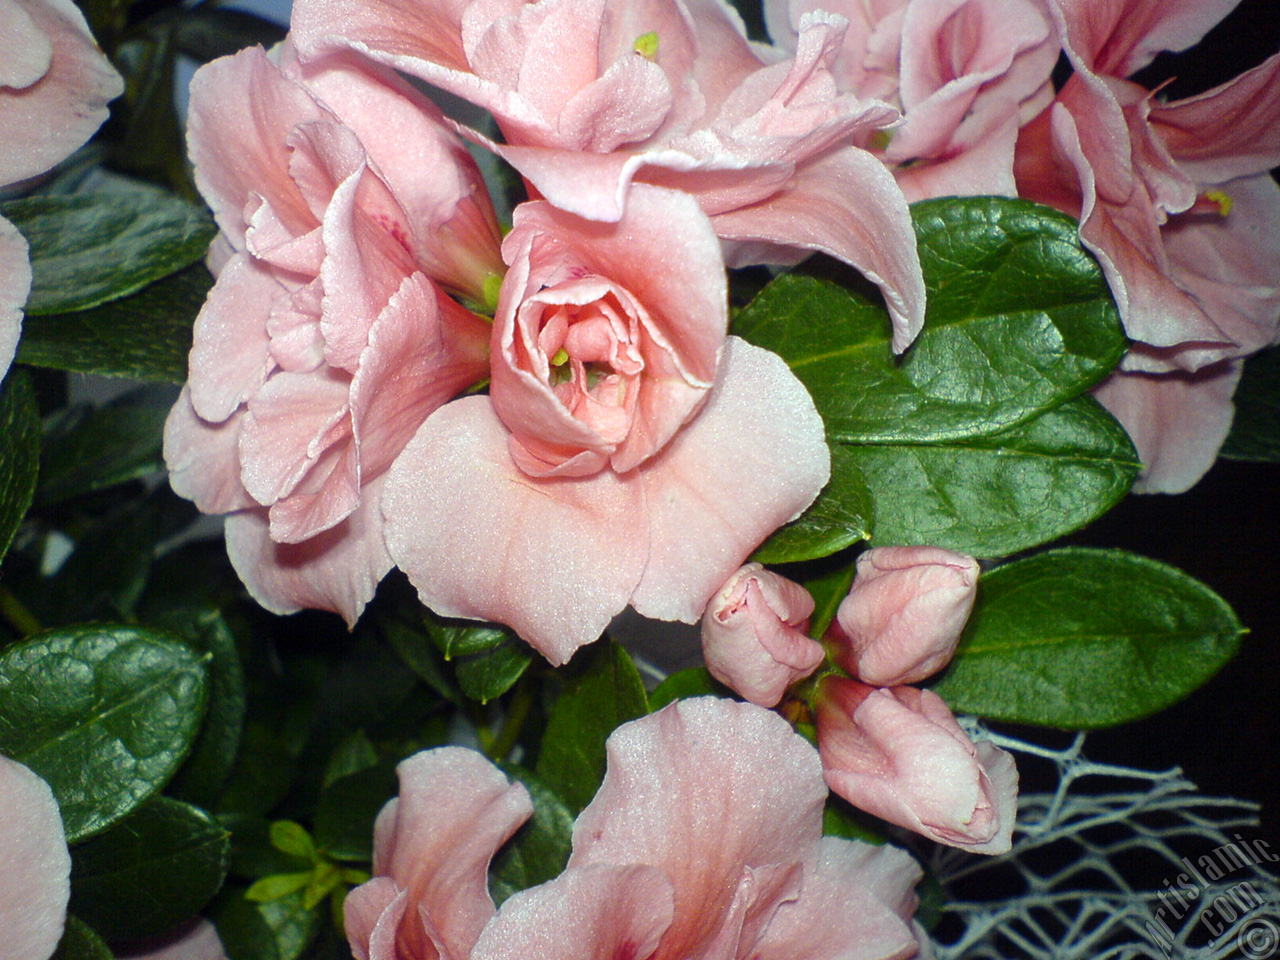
[(35, 884)]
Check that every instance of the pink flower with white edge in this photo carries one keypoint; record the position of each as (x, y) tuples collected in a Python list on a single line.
[(898, 753), (345, 206), (592, 96), (703, 841), (753, 635), (1177, 202), (35, 883), (965, 74), (904, 613), (55, 85), (628, 453)]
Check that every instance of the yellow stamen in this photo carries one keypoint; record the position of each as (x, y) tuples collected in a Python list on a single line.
[(880, 139), (561, 358), (1224, 202)]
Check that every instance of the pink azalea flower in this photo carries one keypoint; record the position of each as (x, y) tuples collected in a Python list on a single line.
[(965, 74), (591, 96), (754, 636), (628, 453), (904, 613), (703, 841), (897, 752), (35, 883), (55, 85), (344, 206), (1176, 201)]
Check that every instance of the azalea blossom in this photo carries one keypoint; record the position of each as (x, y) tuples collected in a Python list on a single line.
[(754, 636), (35, 884), (618, 412), (704, 840), (345, 208), (593, 96), (55, 85), (966, 74), (897, 752), (1176, 201)]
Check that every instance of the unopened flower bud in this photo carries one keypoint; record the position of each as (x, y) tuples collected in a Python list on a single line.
[(753, 635)]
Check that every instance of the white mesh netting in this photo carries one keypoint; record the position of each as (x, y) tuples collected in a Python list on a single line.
[(1111, 863)]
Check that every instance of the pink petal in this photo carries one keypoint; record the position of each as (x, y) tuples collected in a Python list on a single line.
[(554, 559), (454, 811), (35, 883), (753, 459), (371, 914), (337, 570), (29, 54), (703, 790), (229, 358), (846, 205), (203, 458), (856, 904), (1120, 37), (15, 285), (45, 118), (1177, 420), (1230, 131), (601, 912), (240, 154)]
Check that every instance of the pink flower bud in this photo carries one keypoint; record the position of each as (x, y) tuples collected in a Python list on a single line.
[(905, 613), (898, 753), (753, 635)]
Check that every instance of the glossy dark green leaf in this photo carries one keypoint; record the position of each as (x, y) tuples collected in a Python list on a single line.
[(408, 636), (484, 676), (150, 872), (90, 448), (993, 496), (19, 453), (841, 516), (1255, 429), (89, 248), (263, 772), (201, 778), (146, 336), (602, 690), (1019, 320), (1080, 638), (80, 942), (840, 819), (540, 849), (829, 584), (104, 713)]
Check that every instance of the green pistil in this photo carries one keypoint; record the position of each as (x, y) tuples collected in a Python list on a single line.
[(492, 285), (881, 139), (647, 45)]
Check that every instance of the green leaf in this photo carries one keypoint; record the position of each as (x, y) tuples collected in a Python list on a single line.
[(150, 872), (279, 930), (146, 336), (79, 942), (683, 684), (292, 839), (484, 676), (352, 754), (841, 819), (104, 713), (207, 32), (540, 849), (262, 774), (87, 249), (90, 448), (602, 691), (407, 635), (841, 516), (201, 778), (993, 496), (19, 453), (1255, 430), (1019, 320), (829, 584), (1080, 638), (278, 885), (347, 809)]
